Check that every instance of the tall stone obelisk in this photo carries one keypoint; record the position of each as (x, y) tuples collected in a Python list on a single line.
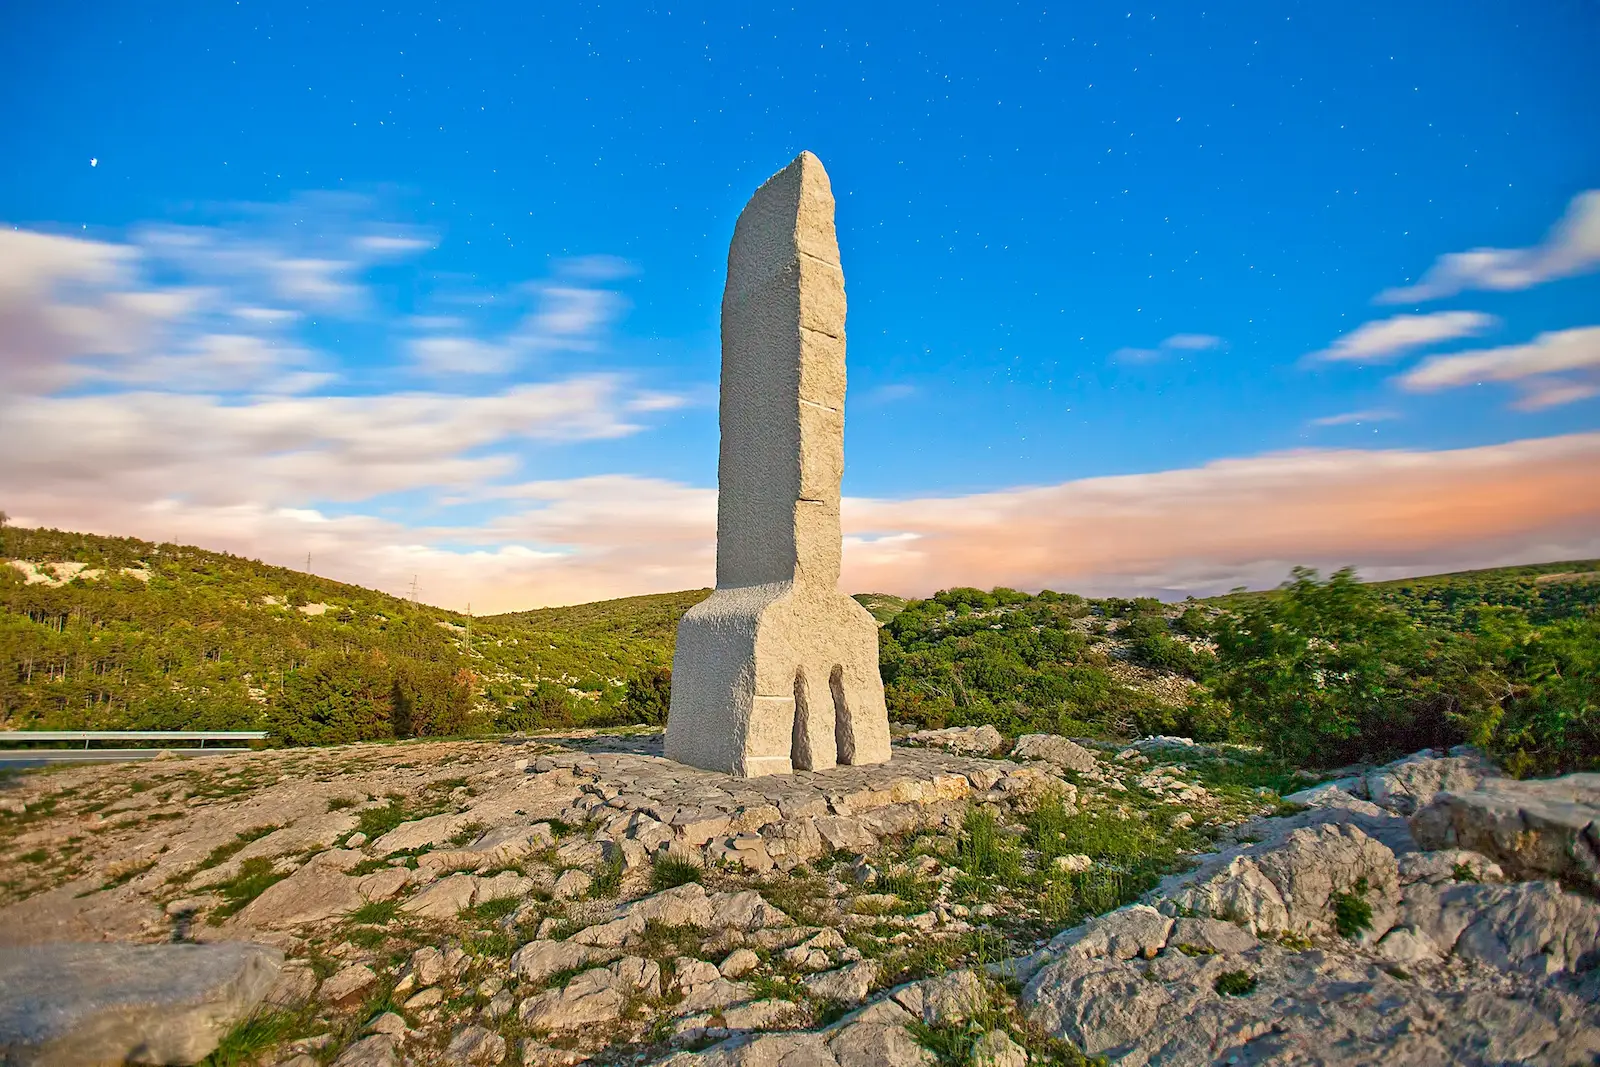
[(778, 670)]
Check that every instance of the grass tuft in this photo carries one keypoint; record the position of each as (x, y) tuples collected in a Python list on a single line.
[(669, 872), (1352, 915), (1235, 983)]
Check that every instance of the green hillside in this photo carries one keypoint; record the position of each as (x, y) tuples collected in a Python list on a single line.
[(106, 632), (118, 633)]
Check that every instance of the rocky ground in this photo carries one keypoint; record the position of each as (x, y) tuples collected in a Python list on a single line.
[(565, 900)]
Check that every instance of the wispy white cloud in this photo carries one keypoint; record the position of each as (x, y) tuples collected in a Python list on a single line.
[(1178, 342), (1571, 247), (890, 392), (563, 317), (1356, 417), (171, 380), (1539, 395), (1387, 339), (1535, 366)]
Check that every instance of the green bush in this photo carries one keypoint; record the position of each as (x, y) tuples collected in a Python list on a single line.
[(649, 696), (548, 707), (1235, 983), (1352, 914), (430, 700), (334, 699), (1326, 673)]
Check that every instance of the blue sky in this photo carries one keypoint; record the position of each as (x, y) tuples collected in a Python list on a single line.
[(1078, 244)]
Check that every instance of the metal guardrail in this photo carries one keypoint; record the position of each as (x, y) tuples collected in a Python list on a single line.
[(30, 737)]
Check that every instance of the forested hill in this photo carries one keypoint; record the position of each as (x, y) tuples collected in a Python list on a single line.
[(114, 632), (106, 632)]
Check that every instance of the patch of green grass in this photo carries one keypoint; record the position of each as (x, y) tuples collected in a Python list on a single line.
[(493, 944), (804, 899), (1463, 873), (490, 910), (468, 833), (1197, 950), (559, 828), (224, 852), (244, 1045), (38, 855), (369, 866), (341, 803), (1352, 915), (1235, 983), (660, 941), (775, 987), (254, 876), (669, 872), (920, 958), (565, 929), (984, 849), (608, 879), (164, 816), (375, 912), (375, 822), (914, 894), (368, 937)]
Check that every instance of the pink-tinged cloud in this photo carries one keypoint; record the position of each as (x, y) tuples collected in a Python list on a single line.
[(1571, 247), (1195, 530), (1388, 339), (1535, 367)]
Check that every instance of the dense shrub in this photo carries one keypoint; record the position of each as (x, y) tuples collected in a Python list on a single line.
[(964, 657), (1151, 644), (649, 696), (431, 700), (334, 699), (548, 706), (1325, 672)]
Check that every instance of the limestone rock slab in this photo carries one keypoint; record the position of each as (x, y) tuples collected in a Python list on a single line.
[(1534, 829), (75, 1004)]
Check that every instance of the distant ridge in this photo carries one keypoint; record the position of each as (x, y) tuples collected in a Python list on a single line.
[(117, 632)]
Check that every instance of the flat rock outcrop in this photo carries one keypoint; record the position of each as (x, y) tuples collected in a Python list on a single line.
[(1312, 942), (72, 1004), (1532, 829)]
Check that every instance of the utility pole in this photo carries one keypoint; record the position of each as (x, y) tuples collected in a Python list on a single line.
[(413, 590), (308, 563)]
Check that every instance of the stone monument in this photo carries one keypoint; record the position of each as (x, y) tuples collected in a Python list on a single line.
[(778, 671)]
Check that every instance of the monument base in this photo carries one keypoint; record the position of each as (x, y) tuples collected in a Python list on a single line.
[(770, 679)]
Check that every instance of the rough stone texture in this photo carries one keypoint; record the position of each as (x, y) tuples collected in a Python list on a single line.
[(778, 670), (1054, 749), (592, 997), (346, 987), (474, 1045), (953, 998), (996, 1049), (1533, 829), (379, 1050), (72, 1004), (1453, 971), (1287, 885), (971, 740), (847, 985), (313, 893)]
